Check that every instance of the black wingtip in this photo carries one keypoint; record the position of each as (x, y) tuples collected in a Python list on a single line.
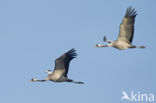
[(131, 12), (104, 38), (72, 53)]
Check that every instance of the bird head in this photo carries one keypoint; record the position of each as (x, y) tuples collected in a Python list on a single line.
[(33, 80)]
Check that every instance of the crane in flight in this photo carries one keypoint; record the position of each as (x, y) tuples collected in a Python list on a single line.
[(126, 33), (60, 71)]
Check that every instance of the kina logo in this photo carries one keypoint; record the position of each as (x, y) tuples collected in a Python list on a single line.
[(140, 97)]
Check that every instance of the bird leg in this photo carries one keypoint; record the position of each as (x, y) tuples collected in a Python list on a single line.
[(69, 80), (105, 40), (78, 82), (36, 80), (141, 47), (133, 46)]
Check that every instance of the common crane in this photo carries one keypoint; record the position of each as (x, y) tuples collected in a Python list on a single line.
[(125, 37), (60, 71)]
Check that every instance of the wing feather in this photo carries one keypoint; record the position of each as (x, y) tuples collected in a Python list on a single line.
[(63, 61), (127, 26)]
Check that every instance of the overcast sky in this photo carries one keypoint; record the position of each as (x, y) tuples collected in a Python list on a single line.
[(33, 33)]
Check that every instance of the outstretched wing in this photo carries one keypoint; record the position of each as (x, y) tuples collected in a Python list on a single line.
[(62, 63), (127, 26)]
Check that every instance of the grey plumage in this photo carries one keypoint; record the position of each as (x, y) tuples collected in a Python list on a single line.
[(126, 32), (127, 26), (63, 61), (60, 71)]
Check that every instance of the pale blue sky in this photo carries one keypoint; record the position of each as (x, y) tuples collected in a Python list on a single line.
[(33, 33)]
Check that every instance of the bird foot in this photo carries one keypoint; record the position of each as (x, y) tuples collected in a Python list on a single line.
[(142, 47)]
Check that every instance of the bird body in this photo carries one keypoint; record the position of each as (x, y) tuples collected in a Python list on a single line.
[(126, 32), (57, 76), (120, 45), (60, 72)]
